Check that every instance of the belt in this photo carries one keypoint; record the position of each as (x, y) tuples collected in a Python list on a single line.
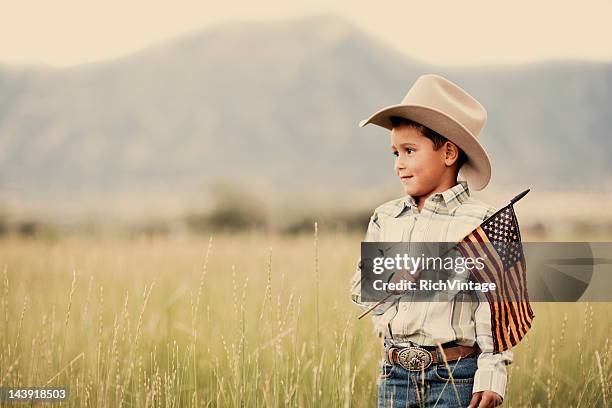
[(417, 358)]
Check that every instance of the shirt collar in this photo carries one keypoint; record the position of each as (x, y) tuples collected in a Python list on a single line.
[(450, 198)]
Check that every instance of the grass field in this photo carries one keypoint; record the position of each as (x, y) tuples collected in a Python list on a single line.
[(242, 320)]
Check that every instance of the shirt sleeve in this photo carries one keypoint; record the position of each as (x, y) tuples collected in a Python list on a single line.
[(372, 235), (491, 373)]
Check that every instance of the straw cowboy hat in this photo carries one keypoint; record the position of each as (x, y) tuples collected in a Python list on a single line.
[(443, 106)]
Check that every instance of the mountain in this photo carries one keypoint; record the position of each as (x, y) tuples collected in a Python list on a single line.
[(276, 105)]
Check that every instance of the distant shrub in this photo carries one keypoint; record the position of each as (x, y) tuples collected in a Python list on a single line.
[(234, 209), (338, 221)]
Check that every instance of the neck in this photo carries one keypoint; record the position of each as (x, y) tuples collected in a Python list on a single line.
[(443, 186)]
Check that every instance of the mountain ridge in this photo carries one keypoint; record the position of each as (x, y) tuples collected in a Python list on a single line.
[(280, 102)]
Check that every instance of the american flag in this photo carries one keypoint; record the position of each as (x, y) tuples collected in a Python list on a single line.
[(498, 241)]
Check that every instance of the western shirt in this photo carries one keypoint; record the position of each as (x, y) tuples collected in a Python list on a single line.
[(445, 217)]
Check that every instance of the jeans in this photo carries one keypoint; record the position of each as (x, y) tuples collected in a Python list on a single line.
[(398, 387)]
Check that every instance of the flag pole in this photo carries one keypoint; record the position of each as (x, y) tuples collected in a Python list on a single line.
[(514, 200), (518, 197)]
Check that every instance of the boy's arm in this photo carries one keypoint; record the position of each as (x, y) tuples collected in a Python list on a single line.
[(491, 373), (372, 235)]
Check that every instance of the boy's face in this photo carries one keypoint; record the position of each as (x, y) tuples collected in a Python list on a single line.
[(419, 167)]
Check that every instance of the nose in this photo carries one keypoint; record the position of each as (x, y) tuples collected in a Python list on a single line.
[(399, 164)]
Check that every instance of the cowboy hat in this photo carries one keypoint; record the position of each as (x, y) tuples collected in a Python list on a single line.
[(444, 107)]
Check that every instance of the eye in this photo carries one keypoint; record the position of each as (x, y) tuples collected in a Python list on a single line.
[(394, 153), (409, 150)]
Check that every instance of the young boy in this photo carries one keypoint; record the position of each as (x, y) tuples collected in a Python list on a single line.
[(434, 138)]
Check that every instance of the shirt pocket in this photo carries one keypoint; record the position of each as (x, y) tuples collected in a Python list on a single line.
[(392, 232), (395, 230)]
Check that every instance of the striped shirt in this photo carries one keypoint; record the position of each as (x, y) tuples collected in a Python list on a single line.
[(445, 217)]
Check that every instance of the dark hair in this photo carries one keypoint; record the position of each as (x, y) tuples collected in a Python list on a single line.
[(437, 139)]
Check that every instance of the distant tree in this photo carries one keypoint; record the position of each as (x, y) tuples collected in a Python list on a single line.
[(234, 208)]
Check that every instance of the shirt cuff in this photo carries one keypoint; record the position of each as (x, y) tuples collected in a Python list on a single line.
[(491, 374), (490, 380)]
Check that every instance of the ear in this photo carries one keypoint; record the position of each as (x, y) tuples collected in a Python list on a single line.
[(451, 152)]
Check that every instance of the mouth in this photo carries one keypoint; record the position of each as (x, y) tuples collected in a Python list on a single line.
[(405, 178)]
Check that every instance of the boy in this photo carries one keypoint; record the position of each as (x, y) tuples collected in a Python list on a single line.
[(434, 135)]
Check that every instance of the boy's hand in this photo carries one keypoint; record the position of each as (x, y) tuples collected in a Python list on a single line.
[(485, 399)]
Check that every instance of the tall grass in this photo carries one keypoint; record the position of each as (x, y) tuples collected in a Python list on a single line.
[(238, 320)]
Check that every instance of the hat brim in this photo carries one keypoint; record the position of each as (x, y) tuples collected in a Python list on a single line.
[(477, 169)]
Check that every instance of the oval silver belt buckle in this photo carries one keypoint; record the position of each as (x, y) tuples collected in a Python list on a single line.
[(414, 358)]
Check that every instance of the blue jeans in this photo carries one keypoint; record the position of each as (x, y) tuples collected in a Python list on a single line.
[(398, 387)]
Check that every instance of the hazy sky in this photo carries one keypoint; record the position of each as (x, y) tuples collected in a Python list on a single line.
[(67, 32)]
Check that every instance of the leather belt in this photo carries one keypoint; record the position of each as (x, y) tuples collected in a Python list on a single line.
[(417, 358)]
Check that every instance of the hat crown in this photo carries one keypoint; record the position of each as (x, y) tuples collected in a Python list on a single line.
[(438, 93)]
